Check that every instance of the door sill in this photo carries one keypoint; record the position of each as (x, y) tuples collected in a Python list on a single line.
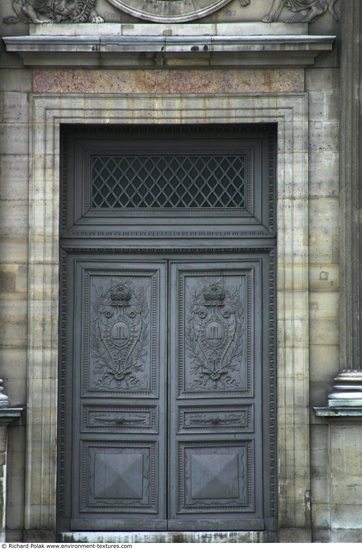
[(165, 536)]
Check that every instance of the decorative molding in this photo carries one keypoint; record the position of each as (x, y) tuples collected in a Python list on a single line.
[(119, 419), (170, 250), (271, 444), (166, 234), (63, 352), (227, 418), (49, 111)]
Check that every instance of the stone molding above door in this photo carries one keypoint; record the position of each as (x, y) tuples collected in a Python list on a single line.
[(164, 46), (290, 112)]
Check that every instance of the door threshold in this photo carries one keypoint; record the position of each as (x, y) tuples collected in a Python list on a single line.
[(165, 536)]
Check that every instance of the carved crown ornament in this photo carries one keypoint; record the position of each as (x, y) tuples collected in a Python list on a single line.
[(167, 11)]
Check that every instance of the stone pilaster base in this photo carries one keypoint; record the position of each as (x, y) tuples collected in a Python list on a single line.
[(347, 390)]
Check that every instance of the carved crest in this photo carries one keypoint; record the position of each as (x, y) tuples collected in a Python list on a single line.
[(119, 337), (214, 337)]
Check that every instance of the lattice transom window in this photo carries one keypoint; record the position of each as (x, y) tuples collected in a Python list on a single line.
[(150, 181)]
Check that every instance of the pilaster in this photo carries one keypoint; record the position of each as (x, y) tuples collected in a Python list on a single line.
[(348, 384)]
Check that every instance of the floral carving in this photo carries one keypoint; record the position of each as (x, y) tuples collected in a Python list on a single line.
[(214, 337), (54, 11), (119, 337)]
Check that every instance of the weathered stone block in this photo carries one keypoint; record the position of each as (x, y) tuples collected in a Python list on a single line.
[(168, 81), (324, 277), (324, 174), (324, 305), (14, 107), (14, 177), (14, 218), (14, 138), (324, 363), (324, 105), (321, 515), (13, 249), (322, 79), (324, 136), (346, 516), (324, 332)]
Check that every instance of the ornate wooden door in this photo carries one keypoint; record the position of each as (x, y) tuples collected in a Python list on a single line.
[(167, 358)]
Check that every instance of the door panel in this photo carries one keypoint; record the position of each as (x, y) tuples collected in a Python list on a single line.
[(119, 399), (216, 375)]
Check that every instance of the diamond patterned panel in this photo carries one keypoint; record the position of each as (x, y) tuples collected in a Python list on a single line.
[(192, 181)]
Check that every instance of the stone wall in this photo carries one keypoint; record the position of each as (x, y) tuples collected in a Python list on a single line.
[(337, 461), (323, 88), (334, 481), (15, 86)]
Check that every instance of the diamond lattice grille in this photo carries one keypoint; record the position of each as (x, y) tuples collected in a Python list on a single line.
[(192, 181)]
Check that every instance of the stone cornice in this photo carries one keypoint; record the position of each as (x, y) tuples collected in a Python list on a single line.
[(338, 412), (10, 414), (147, 50)]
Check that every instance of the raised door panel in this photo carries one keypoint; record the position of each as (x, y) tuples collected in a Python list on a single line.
[(216, 371), (119, 395)]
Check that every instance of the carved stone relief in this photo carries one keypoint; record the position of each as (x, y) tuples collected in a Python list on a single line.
[(54, 11), (171, 11), (305, 10), (167, 11)]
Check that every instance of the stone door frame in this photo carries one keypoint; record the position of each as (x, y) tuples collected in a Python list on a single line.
[(290, 112)]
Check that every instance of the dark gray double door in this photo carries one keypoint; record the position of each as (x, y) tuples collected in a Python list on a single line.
[(165, 389)]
